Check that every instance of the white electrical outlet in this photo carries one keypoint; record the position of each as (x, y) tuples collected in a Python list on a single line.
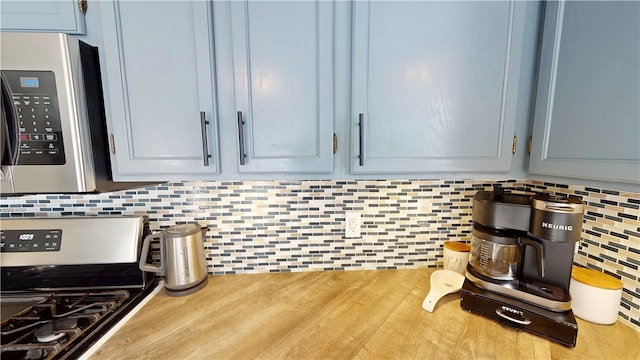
[(352, 223)]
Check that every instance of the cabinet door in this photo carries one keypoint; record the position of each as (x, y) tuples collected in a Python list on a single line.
[(587, 116), (159, 77), (435, 84), (282, 58), (45, 16)]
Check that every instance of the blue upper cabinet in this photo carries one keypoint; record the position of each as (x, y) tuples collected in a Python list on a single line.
[(159, 87), (65, 16), (587, 116), (435, 85), (283, 75)]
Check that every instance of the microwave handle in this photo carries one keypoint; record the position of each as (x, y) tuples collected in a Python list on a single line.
[(10, 131)]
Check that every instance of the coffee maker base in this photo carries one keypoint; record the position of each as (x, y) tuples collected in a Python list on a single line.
[(560, 327), (541, 295)]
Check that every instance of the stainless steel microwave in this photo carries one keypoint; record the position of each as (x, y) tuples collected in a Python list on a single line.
[(53, 132)]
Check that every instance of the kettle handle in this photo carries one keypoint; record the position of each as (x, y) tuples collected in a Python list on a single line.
[(144, 265)]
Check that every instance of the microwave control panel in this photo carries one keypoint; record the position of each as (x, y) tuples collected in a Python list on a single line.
[(36, 107), (30, 240)]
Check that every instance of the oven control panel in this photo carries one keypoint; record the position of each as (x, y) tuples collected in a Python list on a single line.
[(30, 240)]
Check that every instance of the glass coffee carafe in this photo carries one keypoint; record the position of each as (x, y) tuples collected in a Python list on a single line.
[(498, 254)]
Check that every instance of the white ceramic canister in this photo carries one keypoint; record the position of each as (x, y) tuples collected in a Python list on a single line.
[(456, 256), (595, 296)]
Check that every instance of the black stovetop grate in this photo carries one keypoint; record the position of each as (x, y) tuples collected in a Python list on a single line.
[(46, 329)]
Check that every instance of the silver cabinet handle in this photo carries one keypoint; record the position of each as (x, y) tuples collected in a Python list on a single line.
[(505, 316), (241, 138), (361, 136), (205, 141), (82, 5)]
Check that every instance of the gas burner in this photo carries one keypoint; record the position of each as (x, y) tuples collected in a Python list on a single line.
[(45, 329), (55, 330)]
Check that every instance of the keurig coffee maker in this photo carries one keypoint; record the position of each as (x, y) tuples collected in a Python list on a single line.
[(519, 268)]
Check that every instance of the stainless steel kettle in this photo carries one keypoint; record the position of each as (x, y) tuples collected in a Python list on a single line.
[(182, 258)]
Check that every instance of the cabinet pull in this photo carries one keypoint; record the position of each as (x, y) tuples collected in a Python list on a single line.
[(361, 137), (112, 143), (82, 5), (241, 137), (205, 141)]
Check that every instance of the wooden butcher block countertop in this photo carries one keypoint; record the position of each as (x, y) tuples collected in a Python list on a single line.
[(338, 315)]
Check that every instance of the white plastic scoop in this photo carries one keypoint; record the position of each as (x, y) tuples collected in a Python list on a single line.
[(442, 282)]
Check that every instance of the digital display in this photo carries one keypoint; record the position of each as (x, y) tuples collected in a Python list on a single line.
[(43, 240), (29, 82), (25, 237)]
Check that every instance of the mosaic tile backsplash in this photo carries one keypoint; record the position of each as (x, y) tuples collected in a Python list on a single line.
[(281, 226)]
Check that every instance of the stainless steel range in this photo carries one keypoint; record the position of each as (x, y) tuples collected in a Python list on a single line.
[(67, 281)]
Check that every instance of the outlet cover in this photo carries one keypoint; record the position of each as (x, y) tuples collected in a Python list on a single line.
[(352, 223)]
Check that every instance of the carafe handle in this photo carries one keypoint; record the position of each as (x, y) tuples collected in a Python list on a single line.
[(144, 265), (539, 252)]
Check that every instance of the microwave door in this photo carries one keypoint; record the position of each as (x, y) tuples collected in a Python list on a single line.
[(9, 135)]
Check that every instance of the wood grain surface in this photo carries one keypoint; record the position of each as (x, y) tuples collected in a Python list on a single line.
[(338, 315)]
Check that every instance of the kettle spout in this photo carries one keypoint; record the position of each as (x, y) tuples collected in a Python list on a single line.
[(203, 231)]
